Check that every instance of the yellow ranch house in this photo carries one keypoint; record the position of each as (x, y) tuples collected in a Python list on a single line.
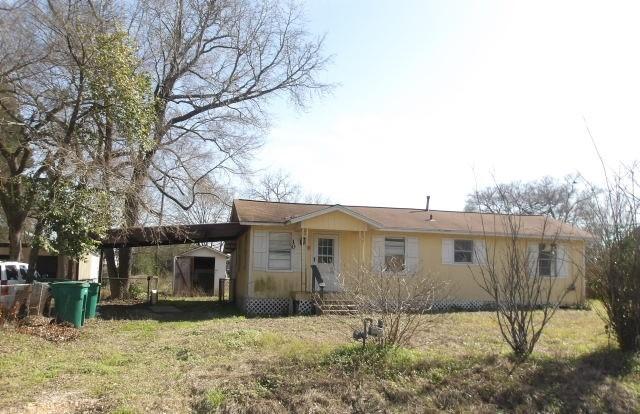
[(272, 262)]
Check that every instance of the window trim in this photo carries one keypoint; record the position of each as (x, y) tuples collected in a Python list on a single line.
[(269, 268), (404, 255)]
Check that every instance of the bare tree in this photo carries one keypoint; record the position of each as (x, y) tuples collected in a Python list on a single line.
[(519, 272), (568, 199), (279, 186), (276, 186), (45, 102), (614, 265), (214, 65), (402, 300), (18, 54), (213, 205)]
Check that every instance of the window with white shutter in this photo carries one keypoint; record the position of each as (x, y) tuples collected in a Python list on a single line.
[(447, 251), (377, 253), (563, 261), (480, 252), (412, 255), (260, 250)]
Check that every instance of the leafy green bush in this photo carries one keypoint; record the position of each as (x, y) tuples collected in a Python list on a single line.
[(137, 291)]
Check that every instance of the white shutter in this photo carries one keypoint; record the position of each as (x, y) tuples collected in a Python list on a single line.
[(377, 253), (260, 250), (296, 252), (562, 261), (532, 257), (412, 253), (447, 251), (479, 252)]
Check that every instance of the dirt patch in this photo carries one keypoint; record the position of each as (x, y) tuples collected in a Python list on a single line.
[(60, 402), (47, 328)]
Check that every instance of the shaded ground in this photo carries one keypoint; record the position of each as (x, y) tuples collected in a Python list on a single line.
[(207, 358)]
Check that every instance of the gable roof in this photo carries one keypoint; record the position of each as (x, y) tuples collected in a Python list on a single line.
[(252, 212), (330, 209), (193, 251)]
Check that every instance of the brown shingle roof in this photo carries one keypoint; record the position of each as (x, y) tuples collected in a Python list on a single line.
[(391, 218)]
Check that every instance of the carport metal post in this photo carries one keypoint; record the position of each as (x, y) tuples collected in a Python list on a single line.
[(100, 266)]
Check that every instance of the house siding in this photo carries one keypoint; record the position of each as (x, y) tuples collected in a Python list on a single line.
[(240, 271), (355, 241)]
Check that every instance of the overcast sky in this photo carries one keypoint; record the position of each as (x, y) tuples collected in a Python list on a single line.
[(435, 96)]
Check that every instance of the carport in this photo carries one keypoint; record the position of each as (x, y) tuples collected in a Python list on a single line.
[(174, 234)]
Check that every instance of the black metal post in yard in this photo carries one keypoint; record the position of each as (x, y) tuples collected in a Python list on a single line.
[(149, 288)]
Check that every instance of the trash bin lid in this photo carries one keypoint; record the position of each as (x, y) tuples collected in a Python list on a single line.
[(71, 284)]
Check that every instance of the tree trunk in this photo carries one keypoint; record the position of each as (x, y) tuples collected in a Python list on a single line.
[(124, 270), (33, 262), (118, 287), (10, 195), (34, 254), (15, 242), (132, 207)]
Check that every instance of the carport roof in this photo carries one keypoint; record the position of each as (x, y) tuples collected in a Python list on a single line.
[(175, 234)]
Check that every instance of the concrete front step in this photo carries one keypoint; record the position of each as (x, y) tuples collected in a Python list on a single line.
[(339, 307), (336, 307), (337, 302), (337, 312)]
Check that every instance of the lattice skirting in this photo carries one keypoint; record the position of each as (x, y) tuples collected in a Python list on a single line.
[(286, 306), (463, 305), (275, 306), (266, 306), (305, 307)]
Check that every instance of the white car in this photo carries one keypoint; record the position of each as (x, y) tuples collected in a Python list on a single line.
[(12, 280)]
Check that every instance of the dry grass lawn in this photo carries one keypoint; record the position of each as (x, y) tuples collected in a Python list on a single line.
[(209, 359)]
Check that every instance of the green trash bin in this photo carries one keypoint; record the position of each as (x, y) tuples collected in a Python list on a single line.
[(70, 301), (93, 295)]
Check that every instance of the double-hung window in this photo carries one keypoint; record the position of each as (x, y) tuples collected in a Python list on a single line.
[(394, 254), (547, 260), (463, 251), (279, 251)]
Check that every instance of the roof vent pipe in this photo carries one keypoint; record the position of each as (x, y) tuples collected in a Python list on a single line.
[(428, 199)]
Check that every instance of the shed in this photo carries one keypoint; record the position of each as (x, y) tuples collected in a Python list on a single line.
[(198, 271)]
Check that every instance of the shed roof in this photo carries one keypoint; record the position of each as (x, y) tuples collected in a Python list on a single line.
[(252, 212)]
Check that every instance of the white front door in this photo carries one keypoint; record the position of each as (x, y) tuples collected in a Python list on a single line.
[(326, 257)]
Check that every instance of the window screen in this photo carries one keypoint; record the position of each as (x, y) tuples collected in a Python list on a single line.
[(463, 251), (394, 254), (547, 260), (279, 251)]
